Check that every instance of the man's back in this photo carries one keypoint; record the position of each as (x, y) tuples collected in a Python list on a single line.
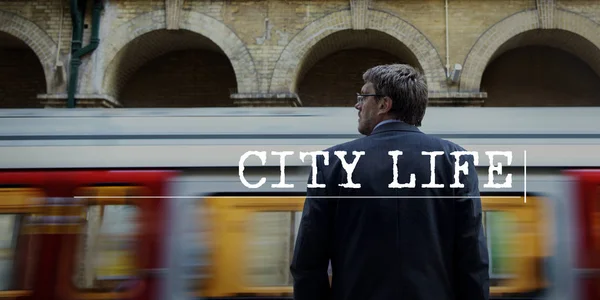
[(396, 243)]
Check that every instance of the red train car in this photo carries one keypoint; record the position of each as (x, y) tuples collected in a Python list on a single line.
[(65, 243), (585, 189)]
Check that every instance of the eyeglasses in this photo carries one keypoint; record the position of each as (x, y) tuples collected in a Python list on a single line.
[(360, 98)]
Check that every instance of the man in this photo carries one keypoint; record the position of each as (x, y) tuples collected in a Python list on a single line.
[(386, 241)]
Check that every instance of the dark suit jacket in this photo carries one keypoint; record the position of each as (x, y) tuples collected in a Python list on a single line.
[(404, 244)]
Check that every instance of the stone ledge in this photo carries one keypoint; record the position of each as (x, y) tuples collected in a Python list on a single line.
[(459, 102), (83, 100), (459, 99), (266, 99), (457, 95)]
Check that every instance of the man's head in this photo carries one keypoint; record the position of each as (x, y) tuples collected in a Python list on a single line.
[(391, 92)]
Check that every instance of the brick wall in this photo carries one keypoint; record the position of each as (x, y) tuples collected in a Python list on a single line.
[(335, 80), (21, 79), (44, 14), (21, 74), (541, 79), (184, 79), (268, 43)]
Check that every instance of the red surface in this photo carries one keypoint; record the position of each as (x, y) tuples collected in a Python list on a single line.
[(587, 204), (49, 273)]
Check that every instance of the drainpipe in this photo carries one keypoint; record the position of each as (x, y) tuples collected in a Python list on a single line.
[(447, 42), (77, 24), (77, 52)]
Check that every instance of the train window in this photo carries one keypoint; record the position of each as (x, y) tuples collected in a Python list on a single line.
[(18, 255), (501, 232), (8, 235), (272, 235), (194, 254), (19, 249), (106, 253)]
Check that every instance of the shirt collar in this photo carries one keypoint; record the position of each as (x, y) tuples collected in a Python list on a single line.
[(393, 125), (385, 122)]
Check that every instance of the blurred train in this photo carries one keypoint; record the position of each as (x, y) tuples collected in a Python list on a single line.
[(150, 204)]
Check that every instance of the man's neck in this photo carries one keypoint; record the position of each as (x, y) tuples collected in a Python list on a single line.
[(385, 121)]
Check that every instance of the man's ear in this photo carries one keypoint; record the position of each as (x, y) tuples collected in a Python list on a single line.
[(385, 105)]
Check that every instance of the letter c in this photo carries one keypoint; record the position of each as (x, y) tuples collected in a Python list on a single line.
[(263, 159)]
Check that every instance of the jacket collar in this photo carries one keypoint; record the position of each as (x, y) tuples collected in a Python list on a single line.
[(395, 126)]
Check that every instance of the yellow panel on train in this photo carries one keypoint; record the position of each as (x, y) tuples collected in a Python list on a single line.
[(252, 240)]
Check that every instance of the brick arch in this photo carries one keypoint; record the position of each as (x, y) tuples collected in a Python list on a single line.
[(210, 28), (286, 70), (36, 38), (488, 44)]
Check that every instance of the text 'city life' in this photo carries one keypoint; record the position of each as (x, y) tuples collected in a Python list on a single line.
[(350, 167)]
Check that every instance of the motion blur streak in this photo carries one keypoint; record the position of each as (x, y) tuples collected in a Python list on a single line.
[(148, 205)]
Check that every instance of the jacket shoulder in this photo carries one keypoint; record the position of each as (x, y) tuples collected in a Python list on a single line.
[(441, 143), (353, 145)]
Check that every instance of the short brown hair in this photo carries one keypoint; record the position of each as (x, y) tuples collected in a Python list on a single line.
[(407, 88)]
